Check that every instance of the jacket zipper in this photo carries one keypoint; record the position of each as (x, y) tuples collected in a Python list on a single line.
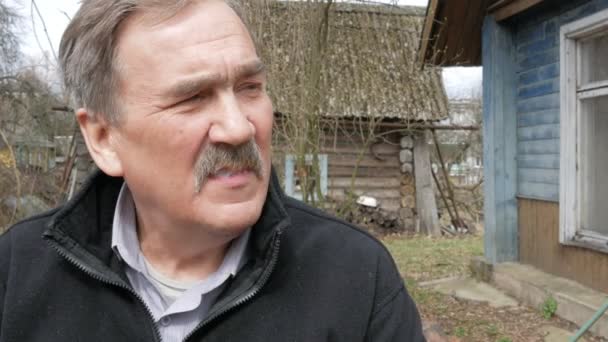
[(250, 295), (100, 277)]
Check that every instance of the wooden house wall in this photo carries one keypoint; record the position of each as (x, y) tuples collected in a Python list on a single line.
[(378, 173), (539, 246), (538, 145), (538, 127), (377, 168)]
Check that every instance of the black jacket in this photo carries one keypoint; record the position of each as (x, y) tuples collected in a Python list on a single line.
[(310, 277)]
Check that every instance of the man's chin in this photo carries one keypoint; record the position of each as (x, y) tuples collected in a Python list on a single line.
[(233, 218)]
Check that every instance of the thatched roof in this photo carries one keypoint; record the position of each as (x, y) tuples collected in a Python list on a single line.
[(369, 66)]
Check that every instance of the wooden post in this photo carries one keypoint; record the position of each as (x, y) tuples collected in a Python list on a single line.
[(426, 206), (500, 142)]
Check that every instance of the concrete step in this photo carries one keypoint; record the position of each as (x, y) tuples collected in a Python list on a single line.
[(576, 303)]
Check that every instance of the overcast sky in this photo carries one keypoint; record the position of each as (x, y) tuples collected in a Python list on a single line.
[(459, 82)]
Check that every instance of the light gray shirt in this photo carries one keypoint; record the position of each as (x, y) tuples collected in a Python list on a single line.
[(177, 307)]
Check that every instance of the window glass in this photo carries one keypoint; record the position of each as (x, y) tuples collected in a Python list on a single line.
[(594, 53), (593, 164)]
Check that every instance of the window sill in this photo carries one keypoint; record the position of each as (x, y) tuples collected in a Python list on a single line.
[(593, 243)]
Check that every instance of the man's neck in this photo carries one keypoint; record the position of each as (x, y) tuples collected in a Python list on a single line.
[(182, 256)]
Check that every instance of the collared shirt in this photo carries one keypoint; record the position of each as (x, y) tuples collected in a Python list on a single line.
[(176, 313)]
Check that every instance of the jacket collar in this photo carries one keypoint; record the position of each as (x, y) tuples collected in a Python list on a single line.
[(85, 222)]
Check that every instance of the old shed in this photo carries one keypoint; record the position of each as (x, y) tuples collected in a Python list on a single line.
[(351, 71)]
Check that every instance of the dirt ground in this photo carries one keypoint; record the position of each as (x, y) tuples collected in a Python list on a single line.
[(422, 259)]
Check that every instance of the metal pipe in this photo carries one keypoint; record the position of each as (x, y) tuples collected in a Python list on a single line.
[(590, 322)]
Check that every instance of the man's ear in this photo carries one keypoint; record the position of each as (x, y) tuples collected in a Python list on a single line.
[(97, 135)]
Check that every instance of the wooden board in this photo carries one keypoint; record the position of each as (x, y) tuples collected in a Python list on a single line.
[(514, 7), (425, 193), (347, 171), (539, 246), (365, 182)]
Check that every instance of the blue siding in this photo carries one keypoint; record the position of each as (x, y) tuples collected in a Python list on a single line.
[(538, 176), (543, 117), (540, 147), (500, 141), (538, 129), (538, 132)]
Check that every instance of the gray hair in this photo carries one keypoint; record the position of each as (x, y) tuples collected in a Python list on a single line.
[(88, 54)]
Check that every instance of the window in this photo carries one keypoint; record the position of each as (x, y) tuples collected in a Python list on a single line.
[(584, 133), (292, 183)]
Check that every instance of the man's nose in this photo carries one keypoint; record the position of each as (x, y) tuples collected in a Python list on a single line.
[(230, 125)]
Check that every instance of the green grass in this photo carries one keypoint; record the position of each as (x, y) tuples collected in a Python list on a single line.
[(420, 258)]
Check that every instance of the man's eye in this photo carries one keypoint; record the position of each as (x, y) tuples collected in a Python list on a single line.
[(251, 87), (194, 99)]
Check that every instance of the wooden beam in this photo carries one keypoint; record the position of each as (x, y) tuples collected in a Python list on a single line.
[(500, 142), (513, 8), (426, 207), (427, 30)]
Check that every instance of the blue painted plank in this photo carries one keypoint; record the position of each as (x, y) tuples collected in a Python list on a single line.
[(544, 117), (500, 142), (530, 34), (540, 132), (602, 4), (578, 13), (539, 103), (545, 57), (543, 88), (538, 74), (546, 161), (544, 176), (529, 77), (551, 27), (538, 147), (540, 191), (549, 71), (528, 49)]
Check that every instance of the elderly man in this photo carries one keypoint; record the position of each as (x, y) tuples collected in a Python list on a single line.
[(184, 233)]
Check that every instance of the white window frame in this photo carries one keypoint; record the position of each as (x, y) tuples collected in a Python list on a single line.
[(290, 181), (570, 125)]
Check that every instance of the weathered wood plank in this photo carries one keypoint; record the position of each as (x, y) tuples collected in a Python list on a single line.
[(536, 104), (540, 247), (425, 194), (365, 161), (382, 195), (365, 182), (381, 149), (539, 191), (514, 8), (540, 132), (500, 140), (545, 176), (545, 117), (547, 161), (347, 171), (544, 88), (538, 147)]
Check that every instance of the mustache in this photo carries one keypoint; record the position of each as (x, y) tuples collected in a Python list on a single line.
[(224, 156)]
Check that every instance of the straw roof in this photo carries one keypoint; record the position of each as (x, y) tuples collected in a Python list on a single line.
[(368, 68)]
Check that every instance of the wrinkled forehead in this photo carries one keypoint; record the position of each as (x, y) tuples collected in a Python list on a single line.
[(205, 20), (206, 43)]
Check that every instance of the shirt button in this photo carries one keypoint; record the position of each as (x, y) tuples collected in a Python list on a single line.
[(165, 321)]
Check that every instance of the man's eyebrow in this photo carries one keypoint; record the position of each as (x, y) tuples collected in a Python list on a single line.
[(193, 84), (250, 69), (196, 83)]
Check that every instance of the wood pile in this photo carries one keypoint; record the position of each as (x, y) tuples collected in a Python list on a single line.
[(375, 219)]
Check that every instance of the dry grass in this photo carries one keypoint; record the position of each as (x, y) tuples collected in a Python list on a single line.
[(422, 258)]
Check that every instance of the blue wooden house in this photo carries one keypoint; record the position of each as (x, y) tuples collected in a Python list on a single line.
[(545, 94)]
